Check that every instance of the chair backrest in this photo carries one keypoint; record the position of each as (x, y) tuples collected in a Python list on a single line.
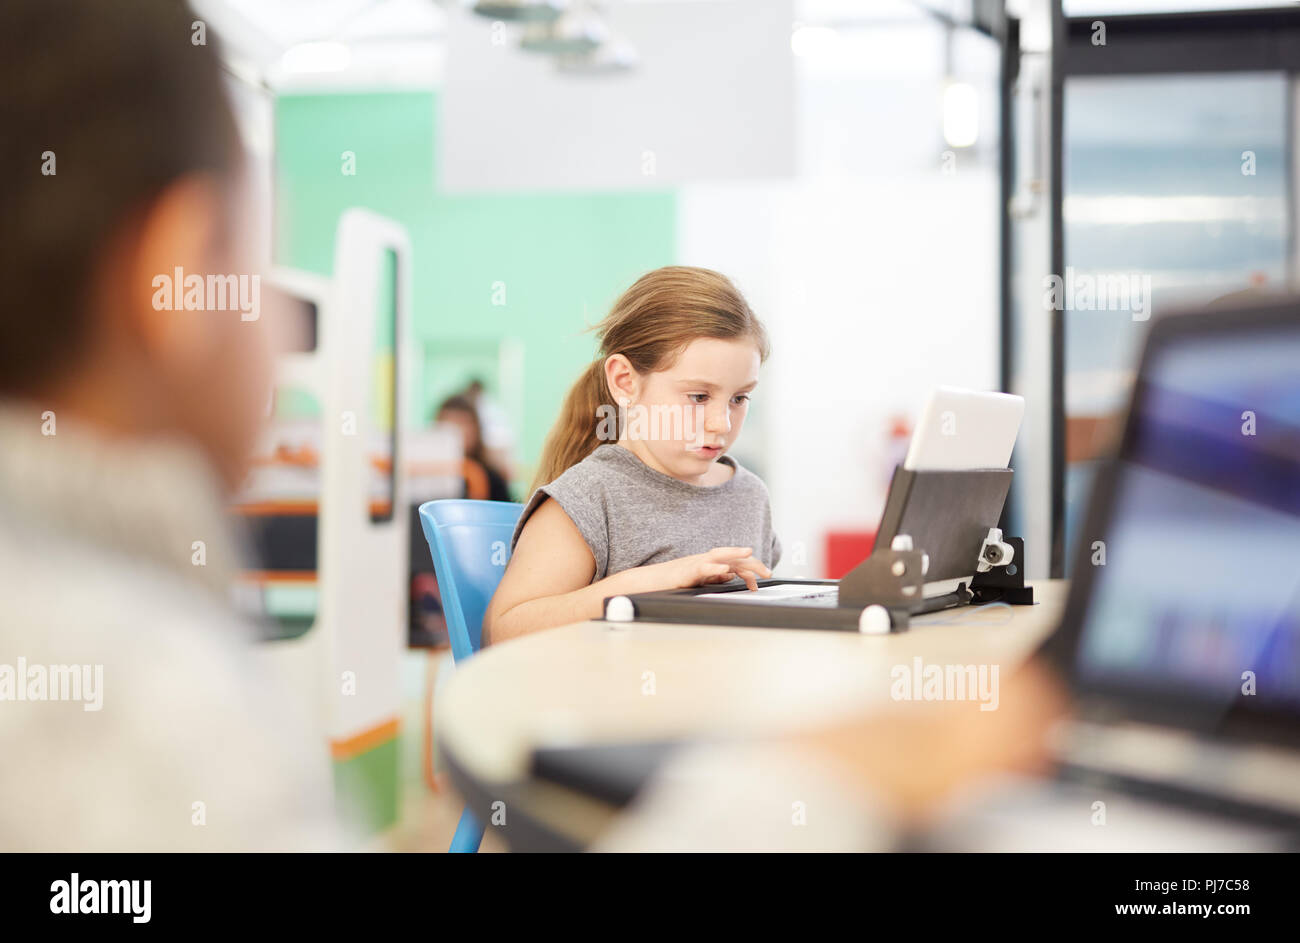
[(470, 543)]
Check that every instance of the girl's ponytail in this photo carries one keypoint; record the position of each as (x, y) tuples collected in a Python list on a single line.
[(574, 435), (650, 325)]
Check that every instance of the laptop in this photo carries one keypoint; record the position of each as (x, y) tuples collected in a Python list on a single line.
[(1181, 634)]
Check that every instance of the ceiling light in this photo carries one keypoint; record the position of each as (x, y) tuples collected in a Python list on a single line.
[(608, 58), (520, 11), (577, 32)]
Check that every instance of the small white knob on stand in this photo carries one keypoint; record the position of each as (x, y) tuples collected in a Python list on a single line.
[(874, 621), (619, 609)]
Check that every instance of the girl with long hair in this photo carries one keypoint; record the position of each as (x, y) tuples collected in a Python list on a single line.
[(636, 491)]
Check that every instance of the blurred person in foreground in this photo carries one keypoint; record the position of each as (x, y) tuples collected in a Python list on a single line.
[(133, 714)]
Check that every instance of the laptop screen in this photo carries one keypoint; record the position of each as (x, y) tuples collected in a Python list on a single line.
[(1195, 569)]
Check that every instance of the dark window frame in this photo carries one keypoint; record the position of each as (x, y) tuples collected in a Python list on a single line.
[(1262, 40)]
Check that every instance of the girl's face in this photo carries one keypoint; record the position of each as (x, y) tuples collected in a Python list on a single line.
[(682, 418)]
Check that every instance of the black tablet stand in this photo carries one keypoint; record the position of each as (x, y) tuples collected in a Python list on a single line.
[(934, 524), (938, 527)]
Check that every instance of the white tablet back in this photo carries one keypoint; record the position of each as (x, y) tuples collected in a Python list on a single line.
[(962, 429)]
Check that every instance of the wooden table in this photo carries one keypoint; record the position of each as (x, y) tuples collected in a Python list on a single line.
[(594, 682)]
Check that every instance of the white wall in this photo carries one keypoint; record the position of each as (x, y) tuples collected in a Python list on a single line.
[(875, 272), (875, 291), (710, 99)]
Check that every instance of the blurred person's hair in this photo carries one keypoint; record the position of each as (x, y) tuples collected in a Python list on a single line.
[(127, 103), (650, 325)]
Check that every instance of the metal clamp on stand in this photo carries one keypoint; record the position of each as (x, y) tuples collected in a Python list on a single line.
[(1000, 572)]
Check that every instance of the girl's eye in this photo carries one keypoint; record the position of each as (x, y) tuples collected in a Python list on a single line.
[(698, 398), (740, 399)]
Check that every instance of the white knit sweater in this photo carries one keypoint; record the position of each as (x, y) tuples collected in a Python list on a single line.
[(192, 744)]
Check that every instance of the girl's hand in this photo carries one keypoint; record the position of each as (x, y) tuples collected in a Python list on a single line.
[(717, 566)]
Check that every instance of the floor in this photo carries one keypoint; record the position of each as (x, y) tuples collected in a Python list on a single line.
[(428, 818), (428, 822)]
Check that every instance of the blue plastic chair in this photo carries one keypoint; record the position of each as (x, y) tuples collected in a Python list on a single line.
[(469, 541)]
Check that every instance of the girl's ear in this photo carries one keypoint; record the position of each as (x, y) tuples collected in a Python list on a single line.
[(622, 379)]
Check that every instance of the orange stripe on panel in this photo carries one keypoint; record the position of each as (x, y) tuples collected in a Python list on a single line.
[(284, 508), (277, 576), (357, 744)]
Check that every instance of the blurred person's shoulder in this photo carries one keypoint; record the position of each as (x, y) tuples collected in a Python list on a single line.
[(180, 738)]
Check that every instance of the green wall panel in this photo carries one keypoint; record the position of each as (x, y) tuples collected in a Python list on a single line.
[(562, 257), (366, 789)]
